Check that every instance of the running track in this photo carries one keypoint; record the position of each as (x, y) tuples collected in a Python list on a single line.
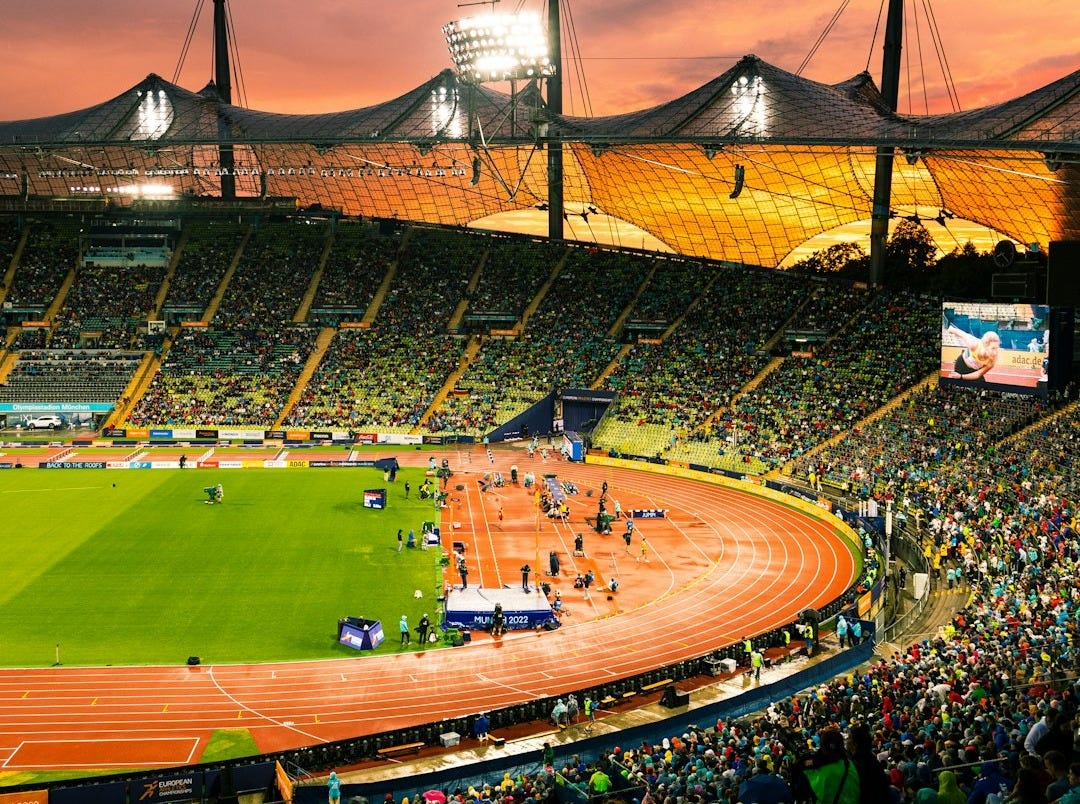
[(723, 564)]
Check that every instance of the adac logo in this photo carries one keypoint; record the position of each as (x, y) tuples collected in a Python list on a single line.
[(149, 790)]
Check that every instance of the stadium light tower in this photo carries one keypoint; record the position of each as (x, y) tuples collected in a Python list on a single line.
[(513, 47), (498, 47)]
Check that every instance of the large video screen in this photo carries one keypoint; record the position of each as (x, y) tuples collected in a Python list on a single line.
[(1002, 347)]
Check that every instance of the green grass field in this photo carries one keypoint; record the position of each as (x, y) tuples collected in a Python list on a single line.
[(132, 567)]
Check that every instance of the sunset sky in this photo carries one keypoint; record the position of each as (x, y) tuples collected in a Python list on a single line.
[(328, 55)]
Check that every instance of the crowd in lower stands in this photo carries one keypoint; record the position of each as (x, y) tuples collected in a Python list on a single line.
[(372, 382), (673, 391), (236, 377)]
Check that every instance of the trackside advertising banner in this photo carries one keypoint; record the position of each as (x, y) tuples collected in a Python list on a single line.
[(72, 465), (105, 793), (335, 464), (400, 438), (29, 797), (184, 787), (55, 407)]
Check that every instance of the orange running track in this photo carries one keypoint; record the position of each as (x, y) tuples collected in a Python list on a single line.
[(721, 565)]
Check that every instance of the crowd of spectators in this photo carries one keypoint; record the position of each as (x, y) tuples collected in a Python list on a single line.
[(354, 268), (56, 375), (675, 283), (51, 251), (32, 338), (386, 377), (933, 426), (10, 232), (374, 381), (566, 344), (106, 307), (235, 377), (432, 278), (673, 390), (205, 258), (272, 277), (890, 345), (513, 272)]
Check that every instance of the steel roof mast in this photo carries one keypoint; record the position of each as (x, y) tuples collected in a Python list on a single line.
[(554, 144), (223, 83), (890, 87)]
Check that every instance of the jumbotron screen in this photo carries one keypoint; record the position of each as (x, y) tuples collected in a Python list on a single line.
[(1001, 347)]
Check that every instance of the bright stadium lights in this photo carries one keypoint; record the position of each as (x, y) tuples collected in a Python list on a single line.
[(154, 115), (749, 92), (146, 190), (499, 47), (446, 114)]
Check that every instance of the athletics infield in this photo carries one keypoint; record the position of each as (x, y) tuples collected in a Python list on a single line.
[(725, 561)]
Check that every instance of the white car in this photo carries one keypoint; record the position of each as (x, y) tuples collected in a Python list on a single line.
[(47, 421)]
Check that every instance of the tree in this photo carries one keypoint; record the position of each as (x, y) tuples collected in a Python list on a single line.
[(910, 255), (964, 273), (842, 259)]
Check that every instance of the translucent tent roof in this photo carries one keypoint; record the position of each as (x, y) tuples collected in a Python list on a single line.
[(448, 152)]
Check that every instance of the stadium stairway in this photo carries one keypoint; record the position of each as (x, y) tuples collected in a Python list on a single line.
[(540, 294), (942, 606), (1023, 431), (309, 295), (598, 383), (454, 324), (9, 272), (170, 269), (136, 387), (322, 343), (384, 286), (892, 404), (617, 326), (758, 378), (61, 294), (7, 363), (466, 358), (215, 301)]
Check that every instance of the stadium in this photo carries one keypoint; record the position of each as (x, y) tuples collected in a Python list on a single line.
[(244, 348)]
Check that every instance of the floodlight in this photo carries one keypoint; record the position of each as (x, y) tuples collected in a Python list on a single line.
[(499, 47), (146, 190)]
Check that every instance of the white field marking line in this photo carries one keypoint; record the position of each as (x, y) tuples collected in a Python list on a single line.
[(24, 743), (72, 488), (256, 713)]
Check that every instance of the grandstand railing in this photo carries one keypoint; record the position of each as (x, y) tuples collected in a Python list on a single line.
[(907, 547)]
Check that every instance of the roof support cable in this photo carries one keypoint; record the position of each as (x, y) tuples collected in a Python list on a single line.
[(234, 52), (943, 61), (912, 20), (873, 39), (576, 58), (821, 37), (188, 37)]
